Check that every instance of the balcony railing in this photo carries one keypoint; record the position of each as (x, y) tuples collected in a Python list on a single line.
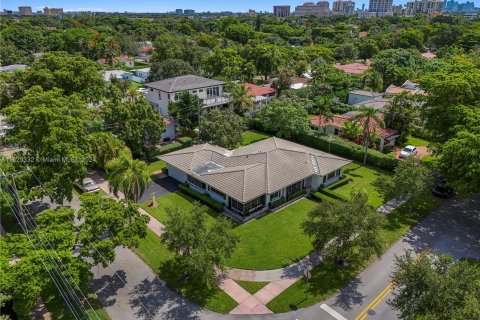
[(221, 99)]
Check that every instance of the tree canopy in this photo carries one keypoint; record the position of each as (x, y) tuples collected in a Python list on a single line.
[(222, 127)]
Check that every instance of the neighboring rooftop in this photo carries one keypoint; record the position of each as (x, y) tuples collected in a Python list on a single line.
[(366, 93), (376, 103), (428, 55), (407, 86), (250, 171), (13, 67), (352, 68), (254, 91), (182, 83)]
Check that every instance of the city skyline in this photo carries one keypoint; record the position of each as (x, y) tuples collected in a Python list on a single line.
[(164, 6)]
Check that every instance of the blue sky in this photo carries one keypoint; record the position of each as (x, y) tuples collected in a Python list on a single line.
[(161, 5)]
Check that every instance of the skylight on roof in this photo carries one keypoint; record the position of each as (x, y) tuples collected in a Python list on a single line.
[(207, 167)]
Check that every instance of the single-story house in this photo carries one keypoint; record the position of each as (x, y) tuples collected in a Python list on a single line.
[(357, 96), (13, 67), (108, 75), (335, 126), (124, 60), (428, 55), (259, 94), (142, 73), (247, 179), (407, 86), (298, 82), (352, 68)]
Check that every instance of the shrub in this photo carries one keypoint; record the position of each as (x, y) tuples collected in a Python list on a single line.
[(346, 149), (420, 132), (276, 203), (185, 141), (332, 194), (340, 183), (203, 198), (321, 197), (170, 148), (296, 194), (388, 149)]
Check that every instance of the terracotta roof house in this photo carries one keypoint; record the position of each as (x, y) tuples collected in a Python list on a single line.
[(246, 180), (352, 68), (335, 126), (298, 82), (124, 60), (407, 86), (428, 55), (260, 94)]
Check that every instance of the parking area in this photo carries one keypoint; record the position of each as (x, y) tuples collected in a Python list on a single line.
[(161, 186)]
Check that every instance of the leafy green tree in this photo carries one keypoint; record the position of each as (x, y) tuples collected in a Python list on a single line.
[(345, 230), (283, 119), (316, 52), (241, 32), (222, 127), (267, 59), (352, 130), (169, 68), (241, 102), (134, 121), (409, 39), (284, 80), (345, 52), (434, 286), (105, 146), (201, 248), (128, 176), (72, 74), (11, 87), (367, 48), (397, 65), (187, 110), (174, 46), (401, 113), (411, 181), (226, 63), (368, 119), (50, 126), (373, 80)]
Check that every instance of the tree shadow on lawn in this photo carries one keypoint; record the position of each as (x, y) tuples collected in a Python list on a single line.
[(171, 272)]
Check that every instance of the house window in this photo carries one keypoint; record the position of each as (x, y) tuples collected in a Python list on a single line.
[(159, 95), (336, 132), (275, 195), (194, 91), (212, 92), (337, 172), (294, 188), (236, 205), (168, 96), (151, 90), (197, 183), (331, 175), (201, 90), (217, 192), (254, 205)]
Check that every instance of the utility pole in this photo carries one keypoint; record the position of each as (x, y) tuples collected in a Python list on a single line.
[(12, 189)]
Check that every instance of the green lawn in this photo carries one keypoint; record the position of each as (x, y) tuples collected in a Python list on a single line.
[(274, 240), (155, 166), (327, 279), (170, 200), (161, 261), (252, 136), (251, 286), (363, 177), (417, 142)]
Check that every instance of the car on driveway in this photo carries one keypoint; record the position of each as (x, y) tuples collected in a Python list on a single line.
[(408, 151), (142, 90), (88, 185)]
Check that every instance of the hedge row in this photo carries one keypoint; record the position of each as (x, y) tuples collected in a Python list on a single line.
[(203, 198), (321, 197), (296, 194), (339, 183), (276, 203), (346, 149), (332, 194), (186, 141), (181, 143)]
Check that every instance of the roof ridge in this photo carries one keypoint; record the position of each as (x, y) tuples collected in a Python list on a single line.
[(266, 174), (173, 84)]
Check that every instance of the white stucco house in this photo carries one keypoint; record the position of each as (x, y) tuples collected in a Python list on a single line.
[(161, 93)]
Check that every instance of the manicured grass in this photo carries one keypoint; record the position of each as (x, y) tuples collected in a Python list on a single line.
[(363, 177), (273, 241), (155, 166), (162, 262), (252, 136), (251, 286), (170, 200), (327, 278), (417, 142), (57, 307)]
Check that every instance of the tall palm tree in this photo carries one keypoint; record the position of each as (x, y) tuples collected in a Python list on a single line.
[(128, 176), (241, 101), (368, 119)]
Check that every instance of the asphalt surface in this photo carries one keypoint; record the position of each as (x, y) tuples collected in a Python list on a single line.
[(161, 186)]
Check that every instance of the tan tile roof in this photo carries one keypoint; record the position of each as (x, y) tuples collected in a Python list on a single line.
[(250, 171)]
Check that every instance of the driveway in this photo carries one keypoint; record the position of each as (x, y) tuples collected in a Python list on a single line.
[(130, 290), (160, 186)]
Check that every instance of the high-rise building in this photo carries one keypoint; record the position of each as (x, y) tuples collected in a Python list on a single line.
[(382, 7), (53, 12), (397, 9), (346, 7), (25, 11), (424, 7), (281, 11), (321, 9), (179, 11), (189, 11)]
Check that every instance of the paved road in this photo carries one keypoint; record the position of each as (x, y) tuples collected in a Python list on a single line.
[(135, 293)]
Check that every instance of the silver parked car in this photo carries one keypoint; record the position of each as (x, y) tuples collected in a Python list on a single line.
[(88, 185), (408, 151)]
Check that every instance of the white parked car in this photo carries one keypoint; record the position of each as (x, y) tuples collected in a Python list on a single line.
[(88, 185), (408, 151), (142, 90)]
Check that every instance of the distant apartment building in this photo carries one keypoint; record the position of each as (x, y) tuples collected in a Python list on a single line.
[(343, 7), (321, 9), (179, 11), (189, 11), (397, 9), (25, 11), (161, 93), (423, 7), (381, 7), (53, 12), (281, 11)]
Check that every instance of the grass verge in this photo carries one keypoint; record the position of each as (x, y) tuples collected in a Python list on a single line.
[(251, 136), (251, 286)]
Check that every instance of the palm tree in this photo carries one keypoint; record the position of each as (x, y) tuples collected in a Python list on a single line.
[(241, 101), (368, 119), (128, 176)]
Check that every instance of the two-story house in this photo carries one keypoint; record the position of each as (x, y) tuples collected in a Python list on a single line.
[(161, 93)]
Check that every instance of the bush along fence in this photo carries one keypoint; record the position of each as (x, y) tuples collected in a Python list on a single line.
[(347, 149), (203, 198), (181, 143)]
